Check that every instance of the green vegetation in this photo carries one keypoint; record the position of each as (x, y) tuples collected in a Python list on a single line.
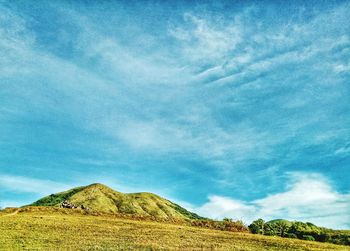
[(183, 211), (100, 198), (58, 198), (224, 225), (110, 220), (53, 228), (300, 230)]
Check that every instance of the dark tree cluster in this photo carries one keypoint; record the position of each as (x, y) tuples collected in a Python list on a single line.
[(300, 230)]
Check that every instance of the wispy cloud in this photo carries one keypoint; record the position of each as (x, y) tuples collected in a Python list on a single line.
[(31, 185), (342, 150), (254, 67), (204, 39)]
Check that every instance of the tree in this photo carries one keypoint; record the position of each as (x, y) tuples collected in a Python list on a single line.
[(308, 237), (270, 229), (282, 228), (301, 229), (229, 220), (257, 226), (291, 235)]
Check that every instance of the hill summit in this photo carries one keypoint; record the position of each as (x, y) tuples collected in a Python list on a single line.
[(101, 198)]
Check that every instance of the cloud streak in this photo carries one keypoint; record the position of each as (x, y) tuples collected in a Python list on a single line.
[(31, 185)]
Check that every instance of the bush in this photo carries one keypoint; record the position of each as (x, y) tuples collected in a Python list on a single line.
[(300, 230), (308, 238), (270, 229), (257, 226), (291, 235), (225, 225)]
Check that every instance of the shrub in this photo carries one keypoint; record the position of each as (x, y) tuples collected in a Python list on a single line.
[(300, 230), (308, 238), (225, 225), (291, 235), (257, 226), (270, 229)]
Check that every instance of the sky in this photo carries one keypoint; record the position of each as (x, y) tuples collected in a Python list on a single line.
[(236, 109)]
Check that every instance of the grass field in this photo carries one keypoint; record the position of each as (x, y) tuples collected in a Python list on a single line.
[(64, 230)]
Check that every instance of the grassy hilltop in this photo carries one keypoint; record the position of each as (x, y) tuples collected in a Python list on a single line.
[(100, 198)]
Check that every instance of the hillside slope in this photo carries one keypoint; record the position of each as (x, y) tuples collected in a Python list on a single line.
[(52, 228), (101, 198)]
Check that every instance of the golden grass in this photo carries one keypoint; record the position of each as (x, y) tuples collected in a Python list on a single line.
[(63, 230)]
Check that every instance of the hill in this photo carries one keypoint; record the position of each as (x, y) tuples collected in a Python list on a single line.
[(100, 198), (51, 228), (280, 221)]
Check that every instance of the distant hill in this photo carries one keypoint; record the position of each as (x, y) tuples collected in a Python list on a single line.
[(101, 198), (287, 222)]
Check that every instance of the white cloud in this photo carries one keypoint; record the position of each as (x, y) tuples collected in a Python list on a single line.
[(197, 131), (219, 207), (309, 197), (341, 68), (11, 203), (167, 137), (206, 40), (342, 150), (31, 185)]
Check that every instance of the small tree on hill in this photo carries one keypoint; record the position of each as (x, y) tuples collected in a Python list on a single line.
[(227, 220), (308, 237), (281, 228), (257, 226), (270, 228)]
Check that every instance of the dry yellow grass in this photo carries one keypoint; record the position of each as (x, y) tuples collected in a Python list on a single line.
[(62, 230)]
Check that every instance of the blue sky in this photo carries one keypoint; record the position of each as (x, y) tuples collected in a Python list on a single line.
[(231, 108)]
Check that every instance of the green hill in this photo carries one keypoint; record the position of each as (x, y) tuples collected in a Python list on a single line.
[(100, 198)]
